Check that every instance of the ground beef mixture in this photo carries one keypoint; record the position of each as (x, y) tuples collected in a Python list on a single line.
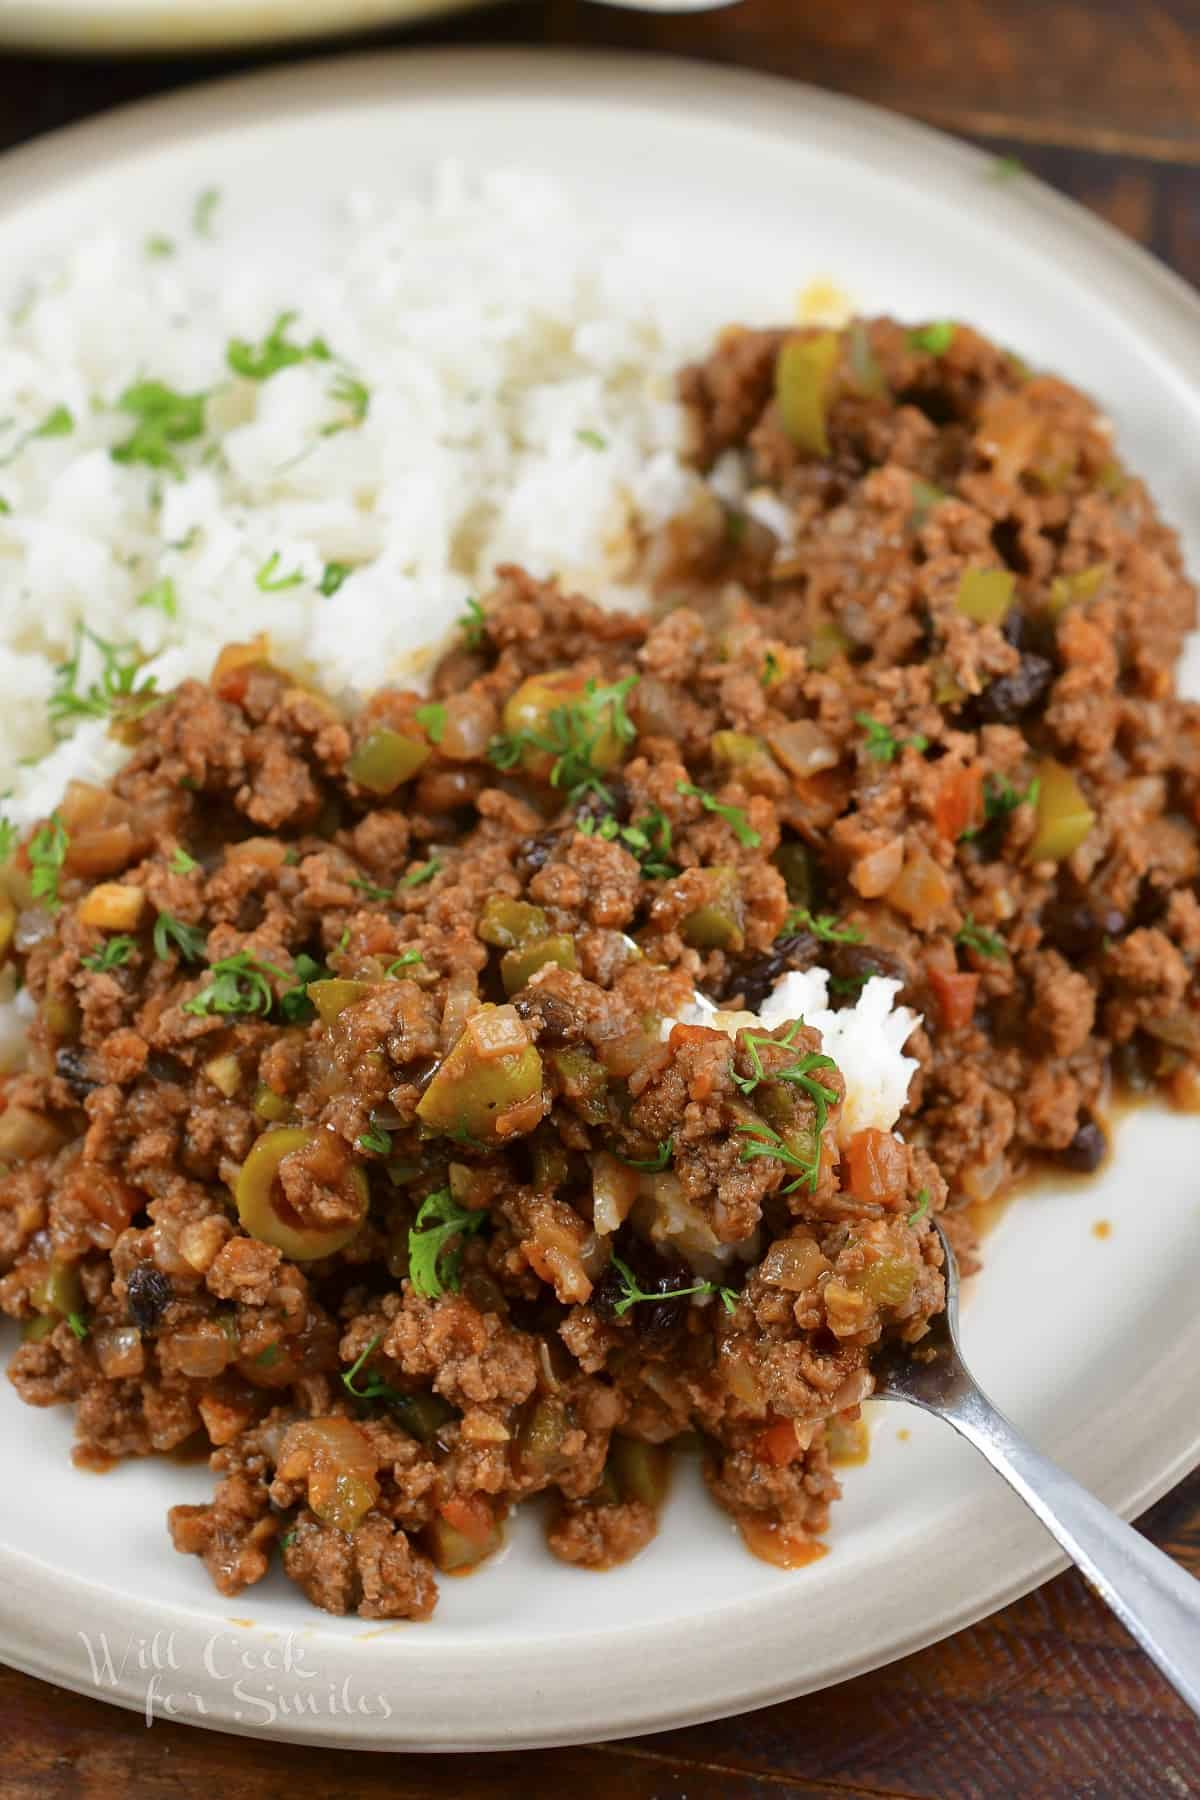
[(351, 1148)]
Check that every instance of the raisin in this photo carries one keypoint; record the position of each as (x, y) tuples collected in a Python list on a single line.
[(1079, 928), (1086, 1150), (533, 853), (149, 1294), (851, 967), (1004, 700), (71, 1065), (755, 977), (657, 1322)]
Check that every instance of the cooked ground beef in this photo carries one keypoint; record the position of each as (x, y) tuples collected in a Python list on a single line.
[(349, 1144)]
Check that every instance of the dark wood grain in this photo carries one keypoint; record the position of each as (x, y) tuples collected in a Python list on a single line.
[(1048, 1700)]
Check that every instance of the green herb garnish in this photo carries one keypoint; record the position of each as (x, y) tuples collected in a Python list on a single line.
[(822, 925), (170, 932), (422, 873), (592, 439), (974, 937), (258, 362), (237, 984), (110, 956), (355, 396), (922, 1206), (267, 1358), (573, 731), (9, 838), (78, 1325), (472, 622), (268, 582), (332, 577), (648, 839), (164, 417), (116, 691), (374, 1388), (157, 245), (734, 816), (1000, 798), (883, 744), (772, 670), (370, 889), (59, 422), (634, 1294), (375, 1140), (432, 720), (180, 863), (162, 597), (294, 1005), (205, 206), (407, 961), (660, 1160), (936, 338), (1005, 168), (47, 854), (440, 1220)]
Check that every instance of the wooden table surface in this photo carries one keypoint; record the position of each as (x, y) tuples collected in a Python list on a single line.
[(1049, 1698)]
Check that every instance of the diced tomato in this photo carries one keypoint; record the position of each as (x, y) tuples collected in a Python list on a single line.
[(778, 1444), (959, 803), (876, 1167), (470, 1514), (955, 995)]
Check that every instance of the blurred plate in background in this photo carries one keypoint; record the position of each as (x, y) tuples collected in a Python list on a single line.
[(98, 27)]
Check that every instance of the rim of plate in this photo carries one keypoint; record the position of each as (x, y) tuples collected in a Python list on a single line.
[(598, 1684)]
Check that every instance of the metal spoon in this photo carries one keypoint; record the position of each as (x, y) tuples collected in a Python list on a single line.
[(1153, 1598)]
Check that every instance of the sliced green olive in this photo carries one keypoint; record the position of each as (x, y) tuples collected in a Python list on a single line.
[(332, 997), (422, 1414), (717, 925), (272, 1107), (540, 1436), (1064, 817), (385, 758), (887, 1282), (39, 1327), (529, 713), (1072, 590), (803, 382), (642, 1471), (517, 966), (265, 1213), (826, 643), (794, 861), (737, 749), (585, 1083), (59, 1292), (985, 595), (490, 1085), (507, 923)]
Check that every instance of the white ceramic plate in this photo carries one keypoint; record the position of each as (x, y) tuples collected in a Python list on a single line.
[(1091, 1345), (99, 27)]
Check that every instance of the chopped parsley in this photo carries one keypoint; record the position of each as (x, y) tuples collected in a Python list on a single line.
[(1000, 798), (5, 508), (660, 1160), (370, 889), (237, 984), (110, 956), (376, 1140), (258, 362), (432, 720), (205, 206), (163, 417), (59, 422), (422, 873), (288, 1539), (407, 961), (772, 670), (294, 1005), (440, 1220), (116, 691), (799, 1073), (922, 1206), (78, 1325), (823, 926), (883, 744), (472, 622), (355, 396), (936, 338), (9, 836), (593, 439), (734, 816), (268, 582), (47, 854), (162, 597), (374, 1388), (974, 937), (180, 863), (332, 577), (766, 1141), (574, 730), (171, 933), (633, 1294), (648, 839), (1005, 168), (268, 1357), (157, 245)]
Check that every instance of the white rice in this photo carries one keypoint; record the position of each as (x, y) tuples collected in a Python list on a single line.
[(520, 361), (865, 1040)]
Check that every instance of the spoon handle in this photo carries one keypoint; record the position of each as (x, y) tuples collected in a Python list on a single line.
[(1152, 1596)]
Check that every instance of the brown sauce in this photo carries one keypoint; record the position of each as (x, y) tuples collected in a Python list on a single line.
[(774, 1544)]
